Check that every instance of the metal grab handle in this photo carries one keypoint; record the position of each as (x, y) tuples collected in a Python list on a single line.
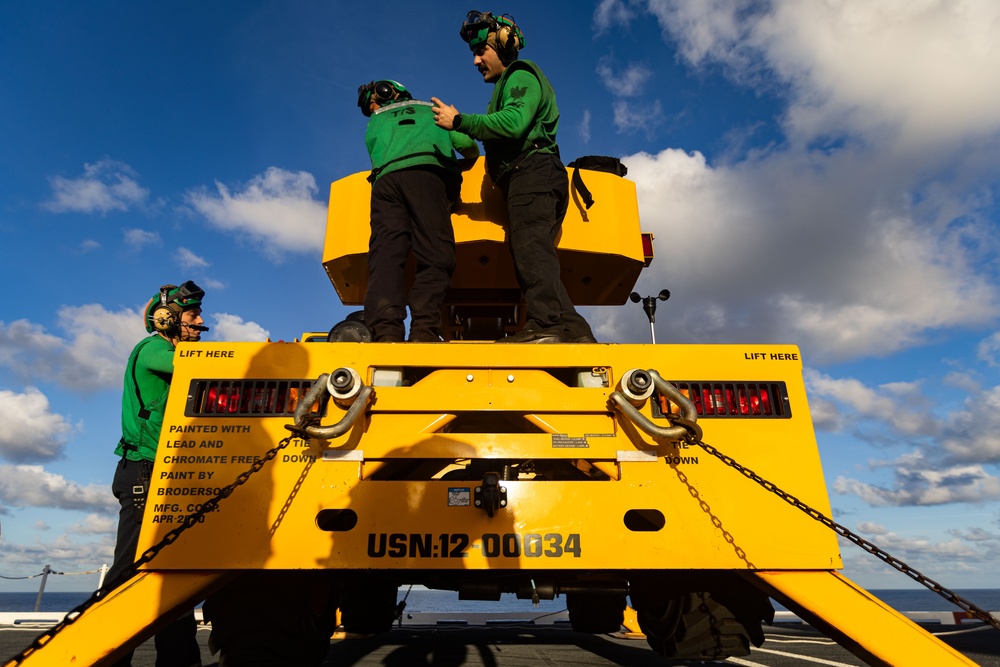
[(689, 413), (302, 411)]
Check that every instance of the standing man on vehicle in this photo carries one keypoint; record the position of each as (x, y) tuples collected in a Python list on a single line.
[(415, 180), (518, 132), (173, 315)]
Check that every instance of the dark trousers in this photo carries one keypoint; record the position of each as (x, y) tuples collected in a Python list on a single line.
[(537, 195), (410, 210), (176, 644)]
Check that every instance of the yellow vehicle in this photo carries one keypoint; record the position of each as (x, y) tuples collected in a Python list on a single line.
[(679, 481)]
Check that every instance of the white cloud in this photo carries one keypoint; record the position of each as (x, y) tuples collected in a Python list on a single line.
[(900, 412), (803, 248), (864, 248), (92, 356), (29, 430), (954, 559), (988, 350), (611, 12), (276, 209), (584, 127), (233, 328), (64, 554), (972, 434), (630, 82), (918, 72), (105, 186), (959, 484), (137, 238), (950, 453), (189, 260), (906, 417), (94, 524), (33, 486), (628, 117)]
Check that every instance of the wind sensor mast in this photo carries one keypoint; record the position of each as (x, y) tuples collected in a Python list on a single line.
[(649, 306)]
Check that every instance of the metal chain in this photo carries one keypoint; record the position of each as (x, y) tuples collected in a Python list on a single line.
[(190, 520), (845, 532)]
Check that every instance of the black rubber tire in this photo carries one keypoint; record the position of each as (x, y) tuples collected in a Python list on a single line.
[(596, 613), (694, 627), (368, 610)]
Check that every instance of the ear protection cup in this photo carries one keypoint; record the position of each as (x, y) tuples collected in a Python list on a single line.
[(507, 39), (165, 317)]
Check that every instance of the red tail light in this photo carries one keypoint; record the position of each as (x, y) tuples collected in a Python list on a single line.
[(261, 398), (732, 399)]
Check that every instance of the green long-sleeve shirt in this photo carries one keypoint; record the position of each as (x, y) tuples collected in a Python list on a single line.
[(150, 368), (404, 135), (522, 117)]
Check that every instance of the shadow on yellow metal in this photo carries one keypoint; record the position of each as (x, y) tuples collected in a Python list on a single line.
[(127, 617), (857, 620)]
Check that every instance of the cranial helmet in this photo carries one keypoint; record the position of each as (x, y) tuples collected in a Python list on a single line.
[(163, 311), (499, 32), (383, 92)]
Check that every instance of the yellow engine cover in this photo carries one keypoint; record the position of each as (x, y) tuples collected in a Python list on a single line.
[(600, 249)]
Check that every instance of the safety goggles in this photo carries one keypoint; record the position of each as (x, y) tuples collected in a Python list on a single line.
[(188, 294), (379, 91), (476, 26)]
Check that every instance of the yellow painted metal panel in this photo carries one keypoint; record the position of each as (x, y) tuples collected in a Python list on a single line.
[(714, 517), (131, 614), (858, 620)]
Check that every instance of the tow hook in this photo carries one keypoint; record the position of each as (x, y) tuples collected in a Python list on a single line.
[(490, 496), (344, 385)]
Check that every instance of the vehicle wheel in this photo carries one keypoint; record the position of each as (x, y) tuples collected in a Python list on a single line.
[(368, 610), (694, 627), (597, 614)]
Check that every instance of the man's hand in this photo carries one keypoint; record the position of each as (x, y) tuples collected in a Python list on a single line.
[(444, 114)]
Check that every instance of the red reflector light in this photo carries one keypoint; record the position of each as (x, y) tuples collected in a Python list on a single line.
[(731, 399), (259, 398), (647, 248)]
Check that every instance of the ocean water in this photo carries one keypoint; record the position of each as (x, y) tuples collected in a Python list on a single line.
[(423, 600)]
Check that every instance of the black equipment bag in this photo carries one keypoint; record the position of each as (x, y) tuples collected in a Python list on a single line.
[(605, 163)]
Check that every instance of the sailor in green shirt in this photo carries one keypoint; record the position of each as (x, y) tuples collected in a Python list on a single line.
[(518, 132), (172, 315), (415, 180)]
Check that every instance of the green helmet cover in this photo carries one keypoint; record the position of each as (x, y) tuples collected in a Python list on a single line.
[(176, 299), (384, 91), (478, 26)]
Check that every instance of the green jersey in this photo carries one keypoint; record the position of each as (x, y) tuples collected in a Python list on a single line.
[(404, 135), (144, 397), (522, 118)]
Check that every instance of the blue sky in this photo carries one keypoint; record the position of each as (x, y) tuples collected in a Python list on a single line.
[(823, 174)]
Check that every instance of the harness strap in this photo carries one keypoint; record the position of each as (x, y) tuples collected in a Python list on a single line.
[(581, 187), (143, 413), (375, 172)]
